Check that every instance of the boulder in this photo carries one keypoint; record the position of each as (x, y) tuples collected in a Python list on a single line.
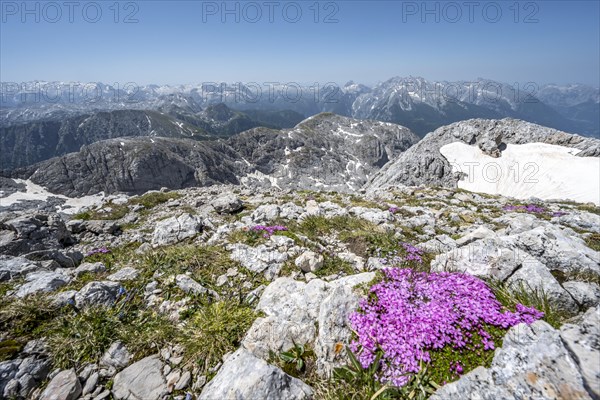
[(559, 249), (64, 386), (265, 213), (45, 282), (141, 380), (582, 341), (258, 259), (300, 313), (291, 309), (534, 276), (227, 204), (189, 285), (30, 233), (102, 293), (244, 376), (334, 328), (124, 274), (97, 227), (16, 267), (585, 294), (533, 362), (309, 261), (373, 215), (116, 356), (491, 257), (89, 268), (175, 229)]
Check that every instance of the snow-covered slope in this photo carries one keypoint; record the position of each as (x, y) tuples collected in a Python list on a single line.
[(498, 141), (540, 170), (37, 193)]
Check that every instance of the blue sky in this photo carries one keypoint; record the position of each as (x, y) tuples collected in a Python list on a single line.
[(187, 41)]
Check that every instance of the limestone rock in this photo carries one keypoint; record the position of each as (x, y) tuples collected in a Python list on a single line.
[(141, 380), (176, 229), (244, 376), (64, 386)]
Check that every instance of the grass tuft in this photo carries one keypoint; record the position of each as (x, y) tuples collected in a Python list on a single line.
[(509, 297), (153, 199)]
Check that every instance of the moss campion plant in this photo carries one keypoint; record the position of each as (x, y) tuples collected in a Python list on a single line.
[(409, 315)]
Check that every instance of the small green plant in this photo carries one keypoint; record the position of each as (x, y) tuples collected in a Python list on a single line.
[(76, 337), (205, 263), (419, 386), (334, 265), (364, 380), (247, 236), (8, 349), (120, 255), (20, 319), (295, 359), (217, 328), (361, 235), (593, 241)]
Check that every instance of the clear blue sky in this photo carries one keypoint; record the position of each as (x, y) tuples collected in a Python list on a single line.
[(187, 42)]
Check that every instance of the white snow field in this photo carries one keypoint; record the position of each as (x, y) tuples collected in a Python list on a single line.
[(37, 192), (539, 170)]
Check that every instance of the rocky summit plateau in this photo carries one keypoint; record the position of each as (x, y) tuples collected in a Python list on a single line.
[(335, 259)]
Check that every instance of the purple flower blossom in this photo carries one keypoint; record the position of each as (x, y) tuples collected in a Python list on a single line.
[(268, 230), (530, 208), (413, 253), (394, 209), (410, 313), (394, 259), (457, 368), (101, 250), (533, 209)]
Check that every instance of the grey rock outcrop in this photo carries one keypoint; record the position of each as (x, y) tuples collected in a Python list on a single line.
[(582, 341), (124, 274), (188, 285), (586, 294), (228, 203), (38, 237), (259, 259), (539, 362), (315, 312), (141, 380), (16, 267), (527, 254), (176, 229), (89, 268), (18, 377), (309, 261), (103, 293), (64, 386), (46, 281), (117, 356), (246, 377)]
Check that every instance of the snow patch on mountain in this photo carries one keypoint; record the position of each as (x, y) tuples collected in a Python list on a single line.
[(539, 170), (33, 192)]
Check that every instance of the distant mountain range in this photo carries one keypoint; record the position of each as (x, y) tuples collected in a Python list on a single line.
[(326, 151), (414, 102), (27, 143)]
